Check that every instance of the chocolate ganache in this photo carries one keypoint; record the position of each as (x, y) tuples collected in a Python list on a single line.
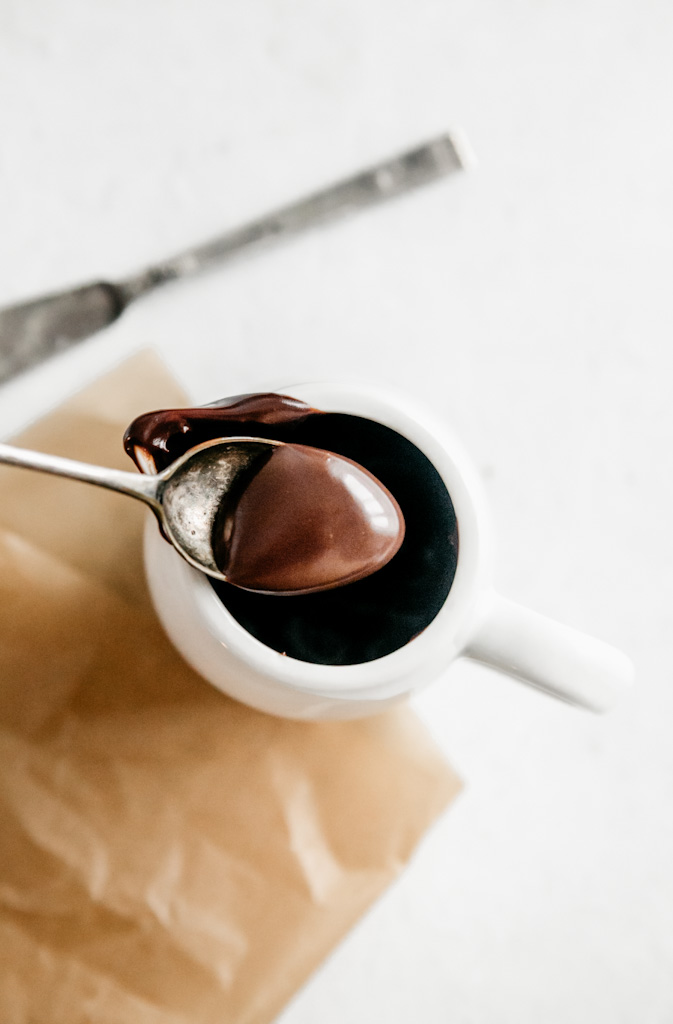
[(362, 620), (300, 520)]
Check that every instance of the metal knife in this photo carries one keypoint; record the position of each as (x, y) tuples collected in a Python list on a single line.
[(35, 330)]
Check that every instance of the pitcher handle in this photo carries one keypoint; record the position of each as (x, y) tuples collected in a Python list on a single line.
[(548, 655)]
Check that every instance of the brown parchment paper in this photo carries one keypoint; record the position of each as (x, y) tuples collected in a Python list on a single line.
[(167, 856)]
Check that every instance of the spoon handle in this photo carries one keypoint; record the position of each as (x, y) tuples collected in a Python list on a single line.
[(145, 488)]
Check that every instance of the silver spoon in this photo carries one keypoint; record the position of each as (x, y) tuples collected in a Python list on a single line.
[(185, 497), (300, 521)]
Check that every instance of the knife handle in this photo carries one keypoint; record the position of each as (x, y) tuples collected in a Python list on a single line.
[(32, 331)]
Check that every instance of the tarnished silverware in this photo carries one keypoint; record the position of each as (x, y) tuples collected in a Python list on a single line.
[(34, 330)]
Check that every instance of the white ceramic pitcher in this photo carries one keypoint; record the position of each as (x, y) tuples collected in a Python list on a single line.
[(474, 621)]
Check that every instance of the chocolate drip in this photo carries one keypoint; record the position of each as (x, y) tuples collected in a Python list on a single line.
[(158, 438)]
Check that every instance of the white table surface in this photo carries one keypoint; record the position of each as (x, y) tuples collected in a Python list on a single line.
[(529, 302)]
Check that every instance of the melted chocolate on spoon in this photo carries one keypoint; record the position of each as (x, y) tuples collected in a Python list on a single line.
[(302, 520), (366, 619)]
